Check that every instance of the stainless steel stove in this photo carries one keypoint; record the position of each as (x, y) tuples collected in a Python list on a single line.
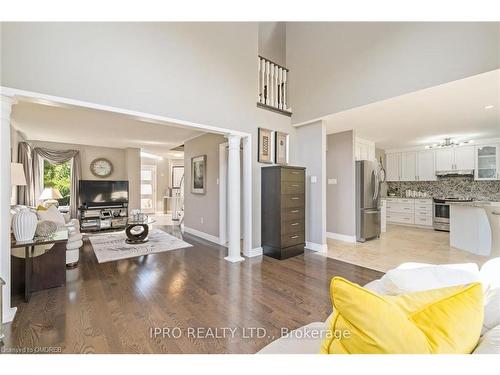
[(441, 212)]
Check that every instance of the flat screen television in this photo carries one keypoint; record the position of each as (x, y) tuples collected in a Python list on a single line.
[(103, 193)]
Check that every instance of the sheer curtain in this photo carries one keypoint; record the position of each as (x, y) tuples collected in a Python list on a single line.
[(57, 157), (26, 194)]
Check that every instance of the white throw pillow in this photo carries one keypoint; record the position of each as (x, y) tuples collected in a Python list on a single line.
[(51, 214), (401, 281), (491, 308), (490, 273)]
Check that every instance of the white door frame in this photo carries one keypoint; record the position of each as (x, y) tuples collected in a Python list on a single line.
[(9, 94)]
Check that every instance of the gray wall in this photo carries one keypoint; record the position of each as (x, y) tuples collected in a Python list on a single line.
[(311, 153), (117, 156), (340, 198), (340, 65), (272, 41), (203, 206), (200, 72)]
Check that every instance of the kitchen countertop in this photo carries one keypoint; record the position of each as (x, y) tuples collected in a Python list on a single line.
[(405, 197), (479, 204)]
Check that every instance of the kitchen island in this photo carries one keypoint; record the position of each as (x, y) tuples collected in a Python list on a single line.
[(475, 227)]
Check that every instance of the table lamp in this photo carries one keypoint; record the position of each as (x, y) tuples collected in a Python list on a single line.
[(49, 197)]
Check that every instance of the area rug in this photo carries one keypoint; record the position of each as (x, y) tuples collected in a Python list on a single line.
[(111, 247)]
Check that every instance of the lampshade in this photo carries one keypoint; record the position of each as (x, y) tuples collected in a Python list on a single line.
[(50, 193), (17, 177)]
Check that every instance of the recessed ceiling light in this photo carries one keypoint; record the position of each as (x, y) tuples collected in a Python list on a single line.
[(489, 106), (178, 155)]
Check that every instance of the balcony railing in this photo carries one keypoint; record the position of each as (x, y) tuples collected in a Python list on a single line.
[(272, 90)]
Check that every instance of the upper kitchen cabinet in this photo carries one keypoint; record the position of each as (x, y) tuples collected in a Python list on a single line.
[(393, 167), (364, 149), (444, 159), (457, 158), (425, 166), (487, 158), (408, 166), (464, 158)]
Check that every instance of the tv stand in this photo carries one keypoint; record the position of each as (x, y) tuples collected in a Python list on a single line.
[(100, 218)]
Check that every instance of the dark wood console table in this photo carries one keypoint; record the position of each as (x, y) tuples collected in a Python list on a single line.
[(47, 270)]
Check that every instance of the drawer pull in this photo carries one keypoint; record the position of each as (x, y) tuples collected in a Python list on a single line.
[(294, 224), (294, 172), (294, 211), (295, 185), (294, 237), (295, 198)]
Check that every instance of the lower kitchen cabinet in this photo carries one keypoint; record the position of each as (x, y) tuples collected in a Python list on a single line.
[(409, 211)]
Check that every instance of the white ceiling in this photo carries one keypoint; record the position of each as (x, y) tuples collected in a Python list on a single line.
[(49, 122), (455, 110)]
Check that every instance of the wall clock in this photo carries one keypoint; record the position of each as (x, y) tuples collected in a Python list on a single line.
[(101, 167)]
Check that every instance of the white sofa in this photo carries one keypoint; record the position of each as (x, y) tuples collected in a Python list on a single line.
[(75, 241), (308, 339)]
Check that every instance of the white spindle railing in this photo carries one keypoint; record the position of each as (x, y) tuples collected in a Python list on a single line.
[(272, 82)]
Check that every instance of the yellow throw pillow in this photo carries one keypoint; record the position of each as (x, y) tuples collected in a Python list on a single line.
[(41, 208), (446, 320)]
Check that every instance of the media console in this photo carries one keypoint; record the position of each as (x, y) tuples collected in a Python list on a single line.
[(97, 218)]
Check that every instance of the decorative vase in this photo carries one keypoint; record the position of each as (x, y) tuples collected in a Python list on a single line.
[(24, 225)]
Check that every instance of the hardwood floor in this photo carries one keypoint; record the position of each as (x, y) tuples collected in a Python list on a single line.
[(112, 307), (401, 244)]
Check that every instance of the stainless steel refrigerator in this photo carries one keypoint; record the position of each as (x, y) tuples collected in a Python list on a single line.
[(367, 200)]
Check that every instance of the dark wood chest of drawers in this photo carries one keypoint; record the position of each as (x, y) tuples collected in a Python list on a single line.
[(283, 211)]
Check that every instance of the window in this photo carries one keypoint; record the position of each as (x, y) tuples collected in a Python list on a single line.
[(58, 176)]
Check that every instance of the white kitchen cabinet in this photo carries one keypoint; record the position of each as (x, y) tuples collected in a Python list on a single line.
[(393, 167), (425, 166), (455, 159), (487, 162), (408, 166), (444, 159), (364, 149), (409, 211), (463, 158)]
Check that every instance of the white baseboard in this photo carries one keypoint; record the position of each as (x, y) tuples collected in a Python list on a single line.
[(253, 252), (341, 237), (201, 234), (322, 248)]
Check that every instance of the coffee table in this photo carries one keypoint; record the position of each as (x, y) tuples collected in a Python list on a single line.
[(137, 230)]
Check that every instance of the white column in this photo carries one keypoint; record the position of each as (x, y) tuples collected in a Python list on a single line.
[(5, 191), (247, 197), (233, 199)]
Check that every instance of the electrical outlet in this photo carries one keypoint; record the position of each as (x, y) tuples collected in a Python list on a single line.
[(332, 181), (201, 220)]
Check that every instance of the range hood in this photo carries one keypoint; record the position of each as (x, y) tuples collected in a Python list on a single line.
[(455, 173)]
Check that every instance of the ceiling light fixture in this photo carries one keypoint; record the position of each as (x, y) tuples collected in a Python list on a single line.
[(150, 156), (178, 155), (448, 142), (489, 106)]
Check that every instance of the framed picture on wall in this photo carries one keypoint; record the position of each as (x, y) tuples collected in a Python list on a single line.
[(265, 146), (198, 174), (281, 148), (177, 174)]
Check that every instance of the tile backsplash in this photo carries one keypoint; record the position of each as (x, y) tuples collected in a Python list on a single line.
[(449, 187)]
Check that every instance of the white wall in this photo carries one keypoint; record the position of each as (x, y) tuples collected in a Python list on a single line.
[(272, 41), (335, 66), (200, 72), (311, 154)]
